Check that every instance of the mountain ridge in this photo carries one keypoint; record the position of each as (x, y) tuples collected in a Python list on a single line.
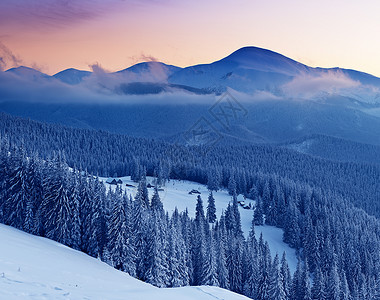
[(238, 57)]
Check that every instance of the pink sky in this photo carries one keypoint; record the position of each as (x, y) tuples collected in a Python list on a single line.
[(53, 35)]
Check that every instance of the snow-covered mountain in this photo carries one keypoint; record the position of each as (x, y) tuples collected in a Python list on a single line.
[(248, 70), (28, 74), (72, 76), (151, 67), (32, 267), (283, 99), (251, 69)]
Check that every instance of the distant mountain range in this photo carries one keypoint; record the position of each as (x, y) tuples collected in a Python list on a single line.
[(246, 70), (283, 100)]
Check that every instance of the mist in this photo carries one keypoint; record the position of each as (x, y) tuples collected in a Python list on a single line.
[(99, 88)]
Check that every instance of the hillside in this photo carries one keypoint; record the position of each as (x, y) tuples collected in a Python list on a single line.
[(37, 268), (175, 194)]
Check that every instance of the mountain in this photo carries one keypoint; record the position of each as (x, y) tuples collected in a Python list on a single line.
[(149, 88), (336, 149), (152, 71), (151, 66), (245, 70), (250, 69), (28, 73), (72, 76), (32, 267), (281, 100)]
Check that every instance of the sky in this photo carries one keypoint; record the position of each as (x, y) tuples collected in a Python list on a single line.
[(52, 35)]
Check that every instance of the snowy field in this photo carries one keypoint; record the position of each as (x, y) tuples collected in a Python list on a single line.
[(176, 194), (37, 268)]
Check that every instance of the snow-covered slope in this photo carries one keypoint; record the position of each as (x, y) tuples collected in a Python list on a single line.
[(250, 69), (37, 268), (266, 61), (158, 68), (175, 194), (245, 70), (72, 76), (28, 73)]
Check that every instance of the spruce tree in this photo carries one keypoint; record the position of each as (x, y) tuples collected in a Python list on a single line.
[(156, 203), (258, 214), (276, 282), (211, 210)]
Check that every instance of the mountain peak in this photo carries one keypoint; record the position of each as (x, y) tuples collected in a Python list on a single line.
[(146, 67), (265, 60), (27, 72), (23, 69), (72, 76)]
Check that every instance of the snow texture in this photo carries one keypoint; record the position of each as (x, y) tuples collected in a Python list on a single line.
[(176, 194), (37, 268)]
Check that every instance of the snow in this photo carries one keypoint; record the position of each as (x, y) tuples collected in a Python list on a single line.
[(32, 267), (176, 194)]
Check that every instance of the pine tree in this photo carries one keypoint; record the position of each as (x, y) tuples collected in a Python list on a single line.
[(85, 198), (286, 277), (156, 260), (59, 206), (199, 247), (305, 283), (318, 291), (211, 210), (252, 258), (34, 186), (120, 239), (235, 210), (138, 224), (333, 290), (142, 194), (258, 214), (209, 276), (156, 203), (232, 185), (276, 282), (17, 192), (199, 212), (213, 180), (266, 197), (221, 263), (75, 214), (97, 227), (344, 290), (235, 264), (177, 264)]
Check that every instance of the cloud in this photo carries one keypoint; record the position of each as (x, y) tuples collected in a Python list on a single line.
[(51, 14), (106, 82), (93, 91), (155, 72), (48, 14), (7, 58), (324, 83), (148, 58)]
